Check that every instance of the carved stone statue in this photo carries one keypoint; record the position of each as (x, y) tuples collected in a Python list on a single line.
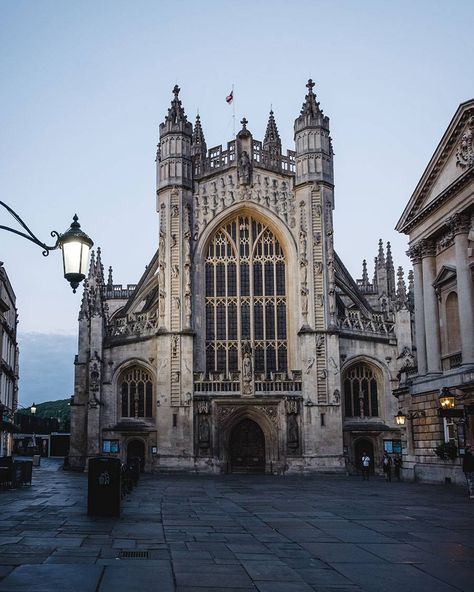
[(293, 431), (204, 431), (244, 168)]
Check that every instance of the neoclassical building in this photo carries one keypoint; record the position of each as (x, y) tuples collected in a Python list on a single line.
[(246, 346), (439, 220)]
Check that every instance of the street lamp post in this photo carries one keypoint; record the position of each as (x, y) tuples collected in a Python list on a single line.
[(401, 418), (74, 244)]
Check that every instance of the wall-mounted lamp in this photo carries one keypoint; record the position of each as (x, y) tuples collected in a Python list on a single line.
[(400, 418), (74, 244)]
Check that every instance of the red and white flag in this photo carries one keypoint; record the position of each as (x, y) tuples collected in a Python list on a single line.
[(230, 98)]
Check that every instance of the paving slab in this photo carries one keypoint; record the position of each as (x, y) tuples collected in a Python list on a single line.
[(194, 533)]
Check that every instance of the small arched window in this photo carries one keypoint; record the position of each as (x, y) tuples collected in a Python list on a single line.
[(361, 391), (136, 393)]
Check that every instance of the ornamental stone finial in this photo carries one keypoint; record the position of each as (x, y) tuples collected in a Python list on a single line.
[(176, 90), (310, 85), (244, 123)]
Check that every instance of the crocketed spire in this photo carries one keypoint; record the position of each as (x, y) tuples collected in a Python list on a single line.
[(199, 142), (311, 115), (272, 137), (365, 275), (401, 288), (381, 255), (110, 281)]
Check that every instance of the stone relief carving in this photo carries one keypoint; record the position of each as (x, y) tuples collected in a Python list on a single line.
[(269, 192), (309, 364), (202, 407), (244, 168), (291, 406), (174, 346), (465, 150), (270, 412)]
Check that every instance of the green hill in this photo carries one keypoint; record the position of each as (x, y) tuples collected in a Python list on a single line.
[(57, 409)]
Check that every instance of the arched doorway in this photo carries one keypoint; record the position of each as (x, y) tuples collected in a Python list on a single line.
[(136, 449), (363, 445), (247, 448)]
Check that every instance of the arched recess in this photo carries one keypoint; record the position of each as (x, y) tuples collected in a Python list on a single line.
[(452, 328), (286, 240), (125, 375), (267, 425), (361, 445), (370, 370)]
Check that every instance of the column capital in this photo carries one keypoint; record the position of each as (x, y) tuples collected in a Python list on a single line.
[(427, 248), (414, 252), (459, 223)]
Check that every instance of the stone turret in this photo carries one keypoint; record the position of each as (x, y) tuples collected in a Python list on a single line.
[(174, 153), (314, 154), (198, 148)]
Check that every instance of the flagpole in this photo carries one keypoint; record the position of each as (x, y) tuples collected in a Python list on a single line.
[(233, 110)]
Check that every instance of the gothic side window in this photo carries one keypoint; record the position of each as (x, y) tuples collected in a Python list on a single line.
[(246, 298), (136, 393), (361, 391)]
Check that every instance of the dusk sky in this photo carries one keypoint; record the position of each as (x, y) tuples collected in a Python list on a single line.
[(86, 84)]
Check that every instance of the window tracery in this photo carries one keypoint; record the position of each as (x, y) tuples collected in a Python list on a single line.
[(245, 297), (361, 391), (135, 389)]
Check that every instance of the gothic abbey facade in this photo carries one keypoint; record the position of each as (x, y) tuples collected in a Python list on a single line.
[(246, 346)]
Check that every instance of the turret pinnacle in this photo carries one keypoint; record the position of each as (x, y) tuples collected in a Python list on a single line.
[(381, 255), (110, 281), (176, 112), (92, 265), (401, 288), (311, 106), (272, 137), (199, 143), (99, 268), (365, 275)]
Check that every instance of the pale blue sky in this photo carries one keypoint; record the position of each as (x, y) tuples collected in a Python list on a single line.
[(86, 84)]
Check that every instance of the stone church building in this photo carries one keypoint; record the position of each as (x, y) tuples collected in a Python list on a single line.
[(246, 346)]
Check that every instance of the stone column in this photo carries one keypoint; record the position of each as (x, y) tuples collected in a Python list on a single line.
[(430, 300), (460, 224), (415, 254)]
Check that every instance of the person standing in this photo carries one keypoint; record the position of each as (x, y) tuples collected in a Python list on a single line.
[(365, 461), (397, 463), (387, 467), (468, 470)]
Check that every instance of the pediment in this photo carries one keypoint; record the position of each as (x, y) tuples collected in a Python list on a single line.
[(451, 164), (446, 274)]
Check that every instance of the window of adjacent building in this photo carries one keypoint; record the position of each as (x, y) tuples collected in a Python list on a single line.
[(136, 393), (361, 391), (450, 433), (392, 446), (245, 298), (110, 446), (453, 341)]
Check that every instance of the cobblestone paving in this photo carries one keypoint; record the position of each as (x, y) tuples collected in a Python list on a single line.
[(238, 533)]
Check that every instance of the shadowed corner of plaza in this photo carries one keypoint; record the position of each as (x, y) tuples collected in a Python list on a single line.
[(237, 532)]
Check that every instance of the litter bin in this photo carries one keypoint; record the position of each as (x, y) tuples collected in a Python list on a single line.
[(103, 492), (22, 472), (36, 460)]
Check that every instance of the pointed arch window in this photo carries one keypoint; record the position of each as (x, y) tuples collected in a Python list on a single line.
[(246, 297), (361, 391), (135, 388)]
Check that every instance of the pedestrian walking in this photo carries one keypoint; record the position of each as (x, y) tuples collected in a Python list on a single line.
[(468, 470), (387, 467), (365, 462), (397, 464)]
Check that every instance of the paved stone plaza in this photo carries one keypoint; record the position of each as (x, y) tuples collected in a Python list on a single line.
[(238, 533)]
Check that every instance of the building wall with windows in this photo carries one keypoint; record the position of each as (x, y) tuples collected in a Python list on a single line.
[(257, 349), (8, 362), (439, 220)]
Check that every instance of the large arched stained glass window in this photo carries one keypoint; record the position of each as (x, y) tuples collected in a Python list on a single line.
[(245, 298), (136, 393)]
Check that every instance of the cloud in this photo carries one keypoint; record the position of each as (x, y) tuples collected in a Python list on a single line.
[(46, 367)]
